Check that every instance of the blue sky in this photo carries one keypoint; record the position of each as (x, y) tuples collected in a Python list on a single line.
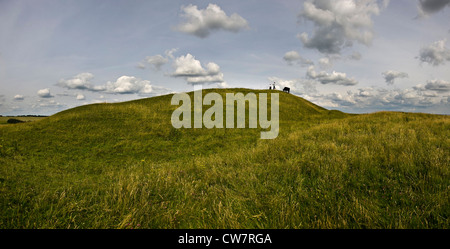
[(352, 55)]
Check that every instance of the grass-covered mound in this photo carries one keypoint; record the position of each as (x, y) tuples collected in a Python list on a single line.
[(123, 165)]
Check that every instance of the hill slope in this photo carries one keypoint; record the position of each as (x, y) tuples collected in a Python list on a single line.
[(123, 165), (142, 129)]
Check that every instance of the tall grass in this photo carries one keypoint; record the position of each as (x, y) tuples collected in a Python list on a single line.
[(107, 170)]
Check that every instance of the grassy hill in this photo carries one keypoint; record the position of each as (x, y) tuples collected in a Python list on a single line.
[(123, 165)]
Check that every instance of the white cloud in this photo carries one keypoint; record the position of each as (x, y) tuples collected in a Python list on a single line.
[(338, 23), (390, 76), (325, 62), (80, 96), (380, 99), (80, 81), (169, 53), (132, 85), (292, 57), (191, 69), (157, 61), (128, 85), (365, 92), (330, 78), (435, 54), (123, 85), (222, 85), (342, 100), (202, 22), (44, 93), (141, 65), (19, 97)]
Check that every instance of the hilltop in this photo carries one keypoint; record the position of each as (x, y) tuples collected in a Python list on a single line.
[(123, 165)]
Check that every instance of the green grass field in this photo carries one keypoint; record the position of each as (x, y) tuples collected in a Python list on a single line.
[(124, 166)]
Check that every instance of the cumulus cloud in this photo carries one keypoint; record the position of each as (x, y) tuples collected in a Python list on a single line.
[(381, 99), (292, 57), (191, 69), (19, 97), (123, 85), (336, 78), (338, 23), (329, 60), (325, 62), (438, 85), (169, 53), (128, 85), (435, 54), (80, 97), (157, 61), (427, 7), (45, 93), (201, 22), (390, 76), (80, 81), (342, 99)]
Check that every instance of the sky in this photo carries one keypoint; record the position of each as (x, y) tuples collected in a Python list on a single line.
[(357, 56)]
